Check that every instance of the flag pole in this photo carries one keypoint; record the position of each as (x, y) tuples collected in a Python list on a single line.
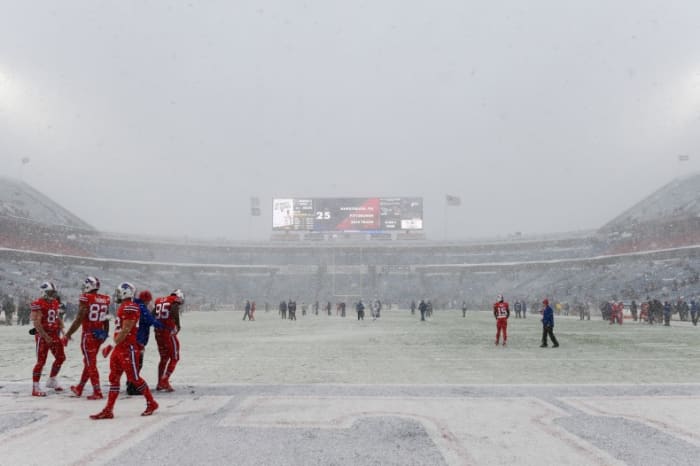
[(444, 221)]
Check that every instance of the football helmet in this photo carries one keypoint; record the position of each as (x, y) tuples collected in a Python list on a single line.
[(90, 284), (125, 291), (48, 289), (180, 295), (499, 298)]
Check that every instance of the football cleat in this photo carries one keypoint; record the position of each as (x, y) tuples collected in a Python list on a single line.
[(53, 383), (36, 392), (95, 396), (164, 386), (77, 390), (104, 414), (150, 408)]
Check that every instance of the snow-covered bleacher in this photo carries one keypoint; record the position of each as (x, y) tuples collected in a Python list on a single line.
[(664, 259)]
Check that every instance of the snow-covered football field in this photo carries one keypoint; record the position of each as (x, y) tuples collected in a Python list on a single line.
[(396, 391)]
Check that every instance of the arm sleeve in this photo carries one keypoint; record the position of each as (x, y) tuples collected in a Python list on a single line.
[(148, 318)]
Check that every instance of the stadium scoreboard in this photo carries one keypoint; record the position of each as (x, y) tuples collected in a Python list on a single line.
[(348, 214)]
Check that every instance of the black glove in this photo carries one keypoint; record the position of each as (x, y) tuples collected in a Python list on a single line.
[(99, 334), (32, 331)]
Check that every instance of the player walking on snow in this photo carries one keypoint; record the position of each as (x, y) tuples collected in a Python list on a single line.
[(501, 312), (48, 325), (167, 310), (146, 320), (125, 355), (92, 317), (548, 325)]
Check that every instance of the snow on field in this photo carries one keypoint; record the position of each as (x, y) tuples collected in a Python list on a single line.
[(328, 390)]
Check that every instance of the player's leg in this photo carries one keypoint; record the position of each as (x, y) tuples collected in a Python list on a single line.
[(56, 348), (544, 337), (132, 375), (505, 331), (162, 341), (174, 354), (115, 374), (555, 343), (93, 347), (85, 375), (42, 351)]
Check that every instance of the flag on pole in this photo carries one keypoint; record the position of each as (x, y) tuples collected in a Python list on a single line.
[(453, 200)]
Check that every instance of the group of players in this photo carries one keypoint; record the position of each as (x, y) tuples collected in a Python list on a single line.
[(132, 324)]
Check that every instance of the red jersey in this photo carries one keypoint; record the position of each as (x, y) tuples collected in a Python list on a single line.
[(97, 310), (48, 310), (127, 311), (501, 310), (163, 306)]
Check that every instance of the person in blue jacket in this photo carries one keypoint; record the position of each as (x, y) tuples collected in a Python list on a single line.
[(548, 325), (146, 320)]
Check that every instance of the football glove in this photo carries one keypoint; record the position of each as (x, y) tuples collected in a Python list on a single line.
[(99, 334), (32, 331), (106, 350)]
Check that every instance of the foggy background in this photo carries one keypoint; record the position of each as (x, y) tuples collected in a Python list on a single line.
[(165, 118)]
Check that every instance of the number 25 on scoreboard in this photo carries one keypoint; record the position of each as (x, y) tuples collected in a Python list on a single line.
[(323, 215)]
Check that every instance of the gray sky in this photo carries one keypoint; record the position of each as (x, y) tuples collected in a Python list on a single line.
[(165, 117)]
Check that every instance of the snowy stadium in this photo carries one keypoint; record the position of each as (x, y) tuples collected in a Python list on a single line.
[(395, 391)]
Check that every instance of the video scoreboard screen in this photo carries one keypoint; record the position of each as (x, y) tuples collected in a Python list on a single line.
[(348, 214)]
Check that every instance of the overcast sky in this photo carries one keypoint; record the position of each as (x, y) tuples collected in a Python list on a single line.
[(166, 117)]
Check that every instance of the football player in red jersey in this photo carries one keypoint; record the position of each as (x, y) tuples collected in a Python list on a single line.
[(167, 311), (125, 355), (501, 312), (92, 316), (48, 325)]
